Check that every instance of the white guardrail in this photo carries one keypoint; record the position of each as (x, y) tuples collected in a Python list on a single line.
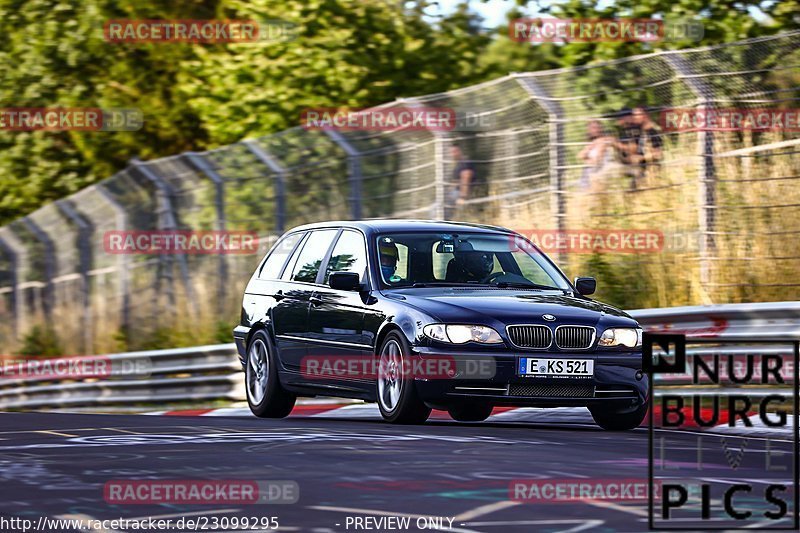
[(214, 373), (148, 377)]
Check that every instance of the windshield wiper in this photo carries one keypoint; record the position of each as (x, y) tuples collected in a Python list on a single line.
[(521, 285), (500, 285), (443, 284)]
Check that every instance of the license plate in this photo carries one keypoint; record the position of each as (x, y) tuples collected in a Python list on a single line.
[(540, 367)]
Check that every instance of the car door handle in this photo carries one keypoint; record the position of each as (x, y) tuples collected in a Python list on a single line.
[(279, 296), (314, 300)]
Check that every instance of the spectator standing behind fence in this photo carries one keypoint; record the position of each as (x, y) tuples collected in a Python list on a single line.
[(460, 186), (597, 155), (640, 144)]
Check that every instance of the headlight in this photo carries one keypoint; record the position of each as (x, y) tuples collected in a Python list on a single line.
[(459, 334), (630, 337)]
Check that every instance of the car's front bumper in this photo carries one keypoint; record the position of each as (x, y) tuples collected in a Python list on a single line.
[(618, 379)]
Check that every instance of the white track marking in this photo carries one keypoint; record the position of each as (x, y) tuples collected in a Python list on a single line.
[(638, 511), (582, 525), (485, 509)]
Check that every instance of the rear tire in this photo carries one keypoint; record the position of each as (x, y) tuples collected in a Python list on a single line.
[(265, 395), (619, 419), (470, 412), (397, 395)]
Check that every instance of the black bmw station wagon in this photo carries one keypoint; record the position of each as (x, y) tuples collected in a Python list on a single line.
[(421, 315)]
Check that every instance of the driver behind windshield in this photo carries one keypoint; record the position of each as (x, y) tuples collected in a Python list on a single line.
[(389, 256), (469, 266)]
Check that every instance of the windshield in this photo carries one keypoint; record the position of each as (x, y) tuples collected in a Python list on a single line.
[(427, 258)]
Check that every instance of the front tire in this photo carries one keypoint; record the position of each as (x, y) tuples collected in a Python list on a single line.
[(398, 400), (470, 412), (619, 419), (265, 395)]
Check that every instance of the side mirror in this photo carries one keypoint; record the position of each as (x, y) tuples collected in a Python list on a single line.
[(344, 281), (585, 286)]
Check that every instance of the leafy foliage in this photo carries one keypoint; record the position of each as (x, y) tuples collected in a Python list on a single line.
[(41, 341), (352, 53)]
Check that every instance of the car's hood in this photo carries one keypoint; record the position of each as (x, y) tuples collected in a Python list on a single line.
[(512, 307)]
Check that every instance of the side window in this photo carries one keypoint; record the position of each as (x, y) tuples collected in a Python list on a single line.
[(277, 257), (349, 255), (287, 271), (310, 258)]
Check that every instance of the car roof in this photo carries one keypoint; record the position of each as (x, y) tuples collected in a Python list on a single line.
[(399, 225)]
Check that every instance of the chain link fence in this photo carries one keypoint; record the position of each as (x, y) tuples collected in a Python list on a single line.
[(723, 202)]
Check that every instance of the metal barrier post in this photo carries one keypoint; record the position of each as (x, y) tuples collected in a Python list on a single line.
[(439, 176), (169, 221), (280, 182), (706, 170), (13, 261), (201, 164), (439, 169), (558, 204), (123, 286), (353, 168), (48, 300), (85, 231)]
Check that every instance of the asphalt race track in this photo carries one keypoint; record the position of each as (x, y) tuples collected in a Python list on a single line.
[(58, 464)]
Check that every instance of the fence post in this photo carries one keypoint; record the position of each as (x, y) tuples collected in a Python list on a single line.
[(48, 300), (440, 171), (353, 170), (201, 164), (85, 231), (555, 112), (169, 221), (13, 261), (123, 287), (706, 170), (439, 175), (280, 182)]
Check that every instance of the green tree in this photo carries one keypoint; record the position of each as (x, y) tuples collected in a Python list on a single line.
[(345, 53), (723, 21), (352, 53), (54, 55)]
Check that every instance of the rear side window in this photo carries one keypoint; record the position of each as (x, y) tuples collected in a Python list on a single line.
[(349, 255), (277, 257), (289, 268), (310, 258)]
